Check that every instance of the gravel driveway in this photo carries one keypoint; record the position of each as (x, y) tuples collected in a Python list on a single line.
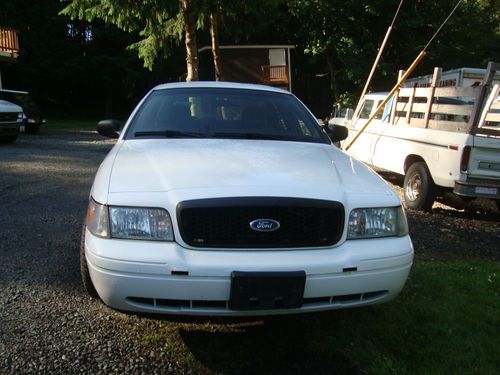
[(48, 324)]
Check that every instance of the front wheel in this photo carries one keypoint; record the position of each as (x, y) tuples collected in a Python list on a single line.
[(419, 188), (8, 138), (32, 128), (88, 285)]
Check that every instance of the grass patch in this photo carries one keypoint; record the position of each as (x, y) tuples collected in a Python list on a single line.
[(445, 321), (154, 338)]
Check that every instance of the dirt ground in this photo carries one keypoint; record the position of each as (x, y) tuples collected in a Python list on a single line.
[(48, 324)]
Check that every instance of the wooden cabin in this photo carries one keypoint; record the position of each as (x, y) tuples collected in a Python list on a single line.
[(264, 64)]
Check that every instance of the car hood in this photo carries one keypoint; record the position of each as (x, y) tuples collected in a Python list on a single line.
[(261, 167)]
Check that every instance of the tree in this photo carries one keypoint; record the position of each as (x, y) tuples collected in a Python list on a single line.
[(236, 20), (343, 32), (157, 22), (160, 22), (347, 33), (189, 15), (214, 7)]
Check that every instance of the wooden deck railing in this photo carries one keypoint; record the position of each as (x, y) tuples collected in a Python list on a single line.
[(275, 74), (9, 43)]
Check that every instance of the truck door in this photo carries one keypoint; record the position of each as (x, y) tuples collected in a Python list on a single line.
[(362, 147), (377, 129)]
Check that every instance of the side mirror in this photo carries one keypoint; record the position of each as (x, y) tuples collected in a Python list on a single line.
[(337, 133), (109, 128)]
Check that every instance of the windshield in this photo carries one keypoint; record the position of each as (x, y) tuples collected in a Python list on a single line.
[(23, 100), (224, 113)]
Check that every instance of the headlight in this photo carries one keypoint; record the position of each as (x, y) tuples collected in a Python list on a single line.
[(377, 222), (97, 219), (140, 223), (129, 222)]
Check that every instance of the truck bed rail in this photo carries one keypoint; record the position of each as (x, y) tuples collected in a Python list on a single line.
[(458, 109)]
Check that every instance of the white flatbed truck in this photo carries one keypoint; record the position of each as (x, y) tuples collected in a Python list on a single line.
[(438, 138)]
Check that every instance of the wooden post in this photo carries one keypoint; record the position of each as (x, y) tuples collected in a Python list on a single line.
[(396, 98), (410, 104), (430, 96), (476, 111)]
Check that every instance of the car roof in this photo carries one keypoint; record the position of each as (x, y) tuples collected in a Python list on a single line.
[(215, 84), (14, 91)]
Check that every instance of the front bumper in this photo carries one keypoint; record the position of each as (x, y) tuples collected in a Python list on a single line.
[(9, 129), (167, 278)]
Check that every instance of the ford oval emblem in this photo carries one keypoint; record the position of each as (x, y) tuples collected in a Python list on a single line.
[(264, 225)]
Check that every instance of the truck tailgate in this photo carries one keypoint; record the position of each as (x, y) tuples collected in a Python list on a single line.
[(484, 160)]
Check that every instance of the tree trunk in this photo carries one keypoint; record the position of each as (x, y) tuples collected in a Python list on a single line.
[(190, 41), (329, 55), (215, 46)]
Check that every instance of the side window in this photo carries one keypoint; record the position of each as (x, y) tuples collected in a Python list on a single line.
[(366, 109)]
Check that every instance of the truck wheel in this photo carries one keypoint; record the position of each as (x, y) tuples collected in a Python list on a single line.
[(8, 139), (84, 270), (32, 128), (419, 188)]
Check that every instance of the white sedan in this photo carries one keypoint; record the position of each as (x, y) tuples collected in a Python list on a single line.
[(230, 199)]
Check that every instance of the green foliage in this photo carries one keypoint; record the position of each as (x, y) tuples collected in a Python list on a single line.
[(336, 43), (157, 22), (349, 32), (255, 22)]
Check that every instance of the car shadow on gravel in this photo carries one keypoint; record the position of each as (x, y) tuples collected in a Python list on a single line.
[(282, 344), (279, 345)]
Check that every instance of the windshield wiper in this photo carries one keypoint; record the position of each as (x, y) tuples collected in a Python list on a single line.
[(169, 134), (273, 137)]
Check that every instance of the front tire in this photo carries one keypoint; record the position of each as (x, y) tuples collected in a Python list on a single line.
[(9, 138), (419, 188), (88, 285), (32, 128)]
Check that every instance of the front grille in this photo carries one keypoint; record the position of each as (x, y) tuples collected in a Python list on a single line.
[(225, 222), (8, 117)]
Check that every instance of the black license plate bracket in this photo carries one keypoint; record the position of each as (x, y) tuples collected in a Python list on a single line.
[(266, 290)]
